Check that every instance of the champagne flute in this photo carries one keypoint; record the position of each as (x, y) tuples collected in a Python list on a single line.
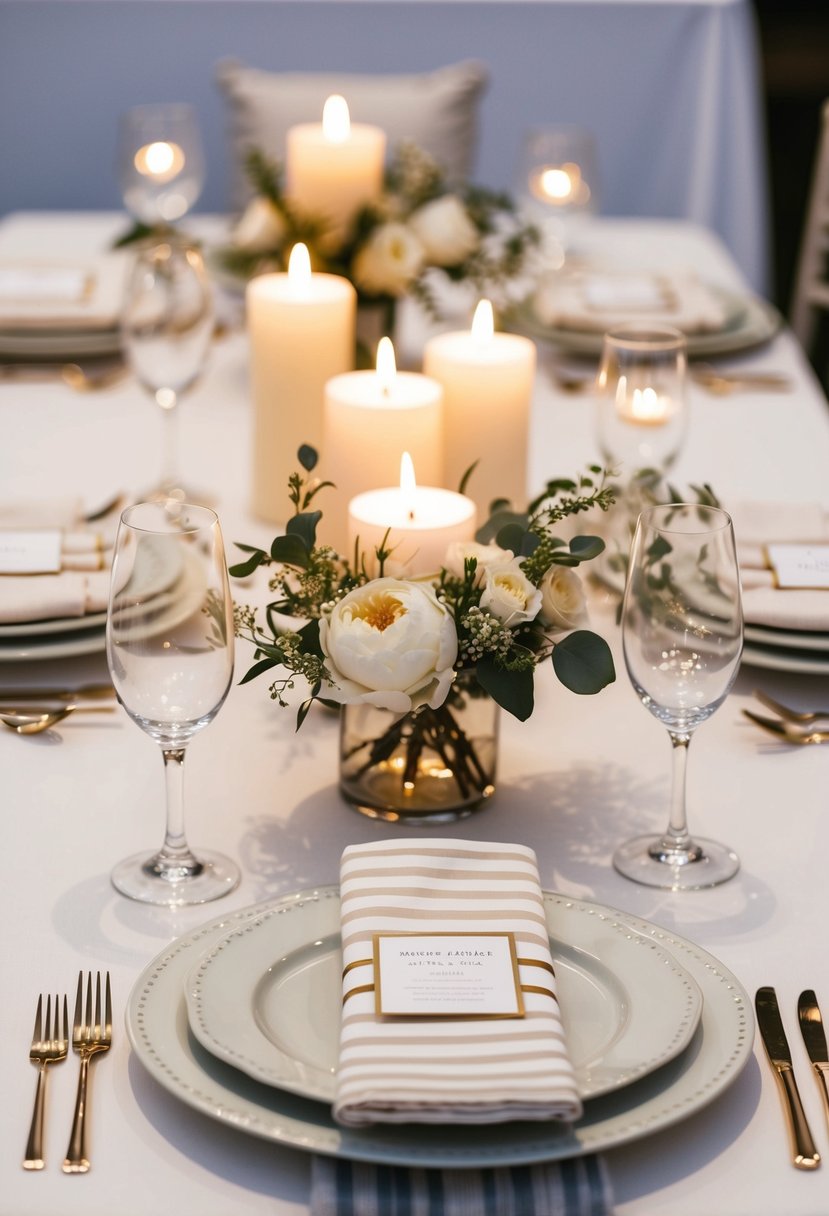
[(167, 327), (682, 631), (170, 649), (160, 162)]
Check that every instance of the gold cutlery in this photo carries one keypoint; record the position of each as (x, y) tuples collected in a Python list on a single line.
[(91, 1034), (723, 383), (86, 692), (811, 1027), (32, 721), (76, 377), (791, 715), (788, 730), (50, 1045), (804, 1153)]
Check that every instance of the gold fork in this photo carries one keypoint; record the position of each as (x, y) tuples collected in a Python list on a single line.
[(805, 717), (788, 730), (90, 1035), (50, 1044)]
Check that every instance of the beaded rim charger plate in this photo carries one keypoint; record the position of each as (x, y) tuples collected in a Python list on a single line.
[(159, 1031)]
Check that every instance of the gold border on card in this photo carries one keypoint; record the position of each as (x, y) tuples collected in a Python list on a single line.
[(520, 1011)]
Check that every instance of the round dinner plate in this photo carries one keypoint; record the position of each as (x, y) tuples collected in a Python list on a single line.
[(64, 646), (752, 323), (157, 1025), (266, 999), (810, 663), (60, 344), (786, 639)]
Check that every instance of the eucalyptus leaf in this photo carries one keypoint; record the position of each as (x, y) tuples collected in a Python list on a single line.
[(259, 669), (307, 457), (304, 525), (583, 662), (512, 690), (585, 548), (243, 569), (290, 550), (467, 475), (498, 521), (511, 536)]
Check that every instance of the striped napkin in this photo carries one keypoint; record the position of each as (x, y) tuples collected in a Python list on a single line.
[(448, 1070)]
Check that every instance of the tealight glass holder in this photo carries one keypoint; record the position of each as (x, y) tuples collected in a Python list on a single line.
[(557, 180), (160, 162)]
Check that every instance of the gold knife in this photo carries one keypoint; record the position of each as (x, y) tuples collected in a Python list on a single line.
[(811, 1027), (804, 1153)]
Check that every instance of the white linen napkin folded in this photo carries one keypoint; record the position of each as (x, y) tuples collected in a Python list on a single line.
[(46, 597), (586, 299), (757, 524), (459, 1069)]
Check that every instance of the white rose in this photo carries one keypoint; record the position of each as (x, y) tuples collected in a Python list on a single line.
[(509, 595), (485, 555), (445, 230), (260, 229), (563, 603), (389, 261), (391, 644)]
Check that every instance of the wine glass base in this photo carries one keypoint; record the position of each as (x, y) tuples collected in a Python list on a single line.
[(137, 877), (707, 864)]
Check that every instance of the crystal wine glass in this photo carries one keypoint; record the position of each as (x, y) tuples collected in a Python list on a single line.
[(682, 630), (167, 326), (557, 179), (170, 648), (160, 162)]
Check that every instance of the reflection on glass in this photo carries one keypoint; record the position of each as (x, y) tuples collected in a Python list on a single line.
[(160, 162)]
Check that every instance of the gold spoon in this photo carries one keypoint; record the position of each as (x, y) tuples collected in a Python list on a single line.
[(32, 722)]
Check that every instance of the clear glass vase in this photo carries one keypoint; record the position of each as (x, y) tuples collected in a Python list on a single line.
[(428, 766)]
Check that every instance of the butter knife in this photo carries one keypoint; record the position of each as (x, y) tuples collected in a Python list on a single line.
[(804, 1153), (811, 1027)]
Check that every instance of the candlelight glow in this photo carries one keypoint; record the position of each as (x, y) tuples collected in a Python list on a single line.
[(558, 183), (386, 365), (408, 485), (160, 160), (336, 120), (483, 323), (642, 405), (299, 268)]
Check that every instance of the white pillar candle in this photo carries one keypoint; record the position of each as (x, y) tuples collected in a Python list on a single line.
[(334, 168), (371, 419), (417, 523), (302, 332), (487, 382)]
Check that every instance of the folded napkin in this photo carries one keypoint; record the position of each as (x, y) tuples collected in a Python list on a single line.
[(438, 1069), (46, 597), (64, 295), (584, 299), (576, 1187), (758, 524)]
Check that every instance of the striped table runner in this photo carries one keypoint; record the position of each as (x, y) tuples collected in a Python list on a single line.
[(454, 1070)]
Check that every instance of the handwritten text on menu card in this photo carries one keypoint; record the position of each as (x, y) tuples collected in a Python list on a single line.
[(447, 975), (800, 566)]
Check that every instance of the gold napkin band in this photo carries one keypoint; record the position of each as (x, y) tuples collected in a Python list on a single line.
[(524, 962)]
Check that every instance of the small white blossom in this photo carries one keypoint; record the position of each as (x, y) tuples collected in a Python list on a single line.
[(509, 595), (563, 603)]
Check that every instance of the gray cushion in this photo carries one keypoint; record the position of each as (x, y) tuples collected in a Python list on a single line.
[(436, 110)]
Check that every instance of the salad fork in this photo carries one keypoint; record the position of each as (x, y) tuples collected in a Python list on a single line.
[(805, 717), (50, 1045), (90, 1034), (788, 730)]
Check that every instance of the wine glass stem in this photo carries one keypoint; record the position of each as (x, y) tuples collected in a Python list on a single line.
[(175, 861), (677, 838), (169, 467)]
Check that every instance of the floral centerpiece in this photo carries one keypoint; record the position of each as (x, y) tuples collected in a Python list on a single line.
[(412, 655), (417, 226)]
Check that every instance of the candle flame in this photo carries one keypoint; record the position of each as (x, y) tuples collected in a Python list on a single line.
[(386, 365), (560, 183), (408, 485), (483, 323), (299, 267), (642, 405), (336, 120), (159, 160)]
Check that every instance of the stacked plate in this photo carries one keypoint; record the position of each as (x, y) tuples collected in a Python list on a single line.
[(66, 309), (240, 1020), (786, 649)]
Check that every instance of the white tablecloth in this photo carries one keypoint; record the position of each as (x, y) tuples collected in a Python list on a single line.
[(581, 775)]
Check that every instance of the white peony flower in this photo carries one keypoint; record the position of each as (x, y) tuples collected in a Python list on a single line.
[(509, 595), (445, 230), (563, 603), (389, 261), (260, 229), (390, 643), (485, 555)]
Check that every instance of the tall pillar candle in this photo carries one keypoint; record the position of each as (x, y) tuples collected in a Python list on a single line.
[(417, 523), (302, 332), (487, 383), (334, 168), (371, 419)]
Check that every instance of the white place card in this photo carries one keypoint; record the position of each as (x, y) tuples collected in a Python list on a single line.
[(30, 552), (447, 975), (799, 567), (47, 284)]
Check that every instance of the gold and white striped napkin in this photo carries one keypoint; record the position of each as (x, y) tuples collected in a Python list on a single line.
[(448, 1070)]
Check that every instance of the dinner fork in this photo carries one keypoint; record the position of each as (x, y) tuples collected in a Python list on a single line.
[(805, 717), (788, 730), (90, 1035), (50, 1044)]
